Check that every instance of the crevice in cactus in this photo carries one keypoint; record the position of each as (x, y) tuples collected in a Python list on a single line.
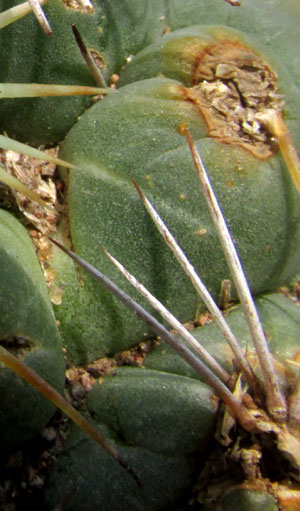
[(20, 187), (38, 176), (19, 345)]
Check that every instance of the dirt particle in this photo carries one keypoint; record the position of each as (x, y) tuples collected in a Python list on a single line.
[(201, 232)]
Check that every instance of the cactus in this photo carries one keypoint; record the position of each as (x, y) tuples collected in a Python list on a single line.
[(143, 117), (25, 306), (28, 326), (57, 60), (128, 428), (137, 408)]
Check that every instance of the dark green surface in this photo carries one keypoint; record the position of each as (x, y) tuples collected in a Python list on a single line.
[(139, 409), (25, 311), (133, 134), (115, 30)]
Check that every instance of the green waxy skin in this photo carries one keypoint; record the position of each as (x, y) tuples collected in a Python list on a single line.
[(100, 481), (159, 417), (25, 311), (171, 399), (116, 30), (133, 135), (28, 56), (270, 22), (138, 409)]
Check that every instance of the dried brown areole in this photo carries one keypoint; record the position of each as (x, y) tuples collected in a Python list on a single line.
[(233, 85)]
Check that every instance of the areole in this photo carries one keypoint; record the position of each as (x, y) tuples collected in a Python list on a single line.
[(233, 85)]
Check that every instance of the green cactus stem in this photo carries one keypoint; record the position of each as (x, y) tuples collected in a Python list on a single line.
[(110, 146), (57, 399), (57, 59), (24, 306)]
